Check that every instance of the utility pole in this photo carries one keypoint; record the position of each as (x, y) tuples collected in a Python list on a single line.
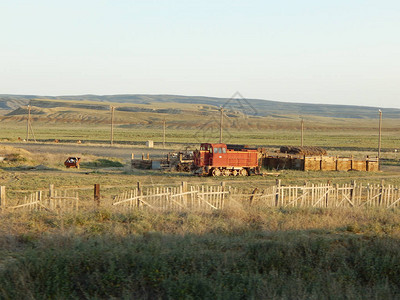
[(112, 125), (302, 131), (28, 123), (220, 125), (380, 136), (163, 134)]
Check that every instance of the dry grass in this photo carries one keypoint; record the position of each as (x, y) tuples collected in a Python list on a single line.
[(235, 253), (230, 220), (8, 150)]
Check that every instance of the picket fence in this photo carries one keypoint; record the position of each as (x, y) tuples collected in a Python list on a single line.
[(330, 196), (173, 198), (214, 197), (56, 201)]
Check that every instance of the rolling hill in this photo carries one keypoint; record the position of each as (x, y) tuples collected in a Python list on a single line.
[(171, 104)]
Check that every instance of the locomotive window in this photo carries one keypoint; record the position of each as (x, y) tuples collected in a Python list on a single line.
[(219, 150), (215, 150), (223, 150)]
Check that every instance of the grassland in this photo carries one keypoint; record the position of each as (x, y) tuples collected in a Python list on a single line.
[(191, 124), (235, 253), (345, 139), (262, 107)]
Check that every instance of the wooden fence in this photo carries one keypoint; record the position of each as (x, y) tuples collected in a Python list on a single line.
[(173, 198), (213, 197), (56, 201), (327, 195), (216, 197)]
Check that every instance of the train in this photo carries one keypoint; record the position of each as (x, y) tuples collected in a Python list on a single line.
[(226, 160)]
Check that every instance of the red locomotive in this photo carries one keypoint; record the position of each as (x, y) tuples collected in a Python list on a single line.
[(226, 160)]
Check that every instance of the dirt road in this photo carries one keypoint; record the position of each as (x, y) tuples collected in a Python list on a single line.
[(98, 150)]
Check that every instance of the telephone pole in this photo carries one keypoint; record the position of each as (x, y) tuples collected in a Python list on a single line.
[(112, 125), (380, 135), (29, 128), (220, 125), (302, 131), (28, 123), (163, 134)]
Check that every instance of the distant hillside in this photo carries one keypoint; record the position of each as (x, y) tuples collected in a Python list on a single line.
[(246, 106)]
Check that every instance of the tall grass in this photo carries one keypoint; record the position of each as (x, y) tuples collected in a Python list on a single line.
[(234, 253)]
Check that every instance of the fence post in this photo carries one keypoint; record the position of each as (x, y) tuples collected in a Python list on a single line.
[(336, 194), (184, 190), (139, 193), (352, 190), (184, 186), (381, 192), (97, 194), (51, 190), (252, 196), (223, 194), (2, 197), (327, 193), (278, 190)]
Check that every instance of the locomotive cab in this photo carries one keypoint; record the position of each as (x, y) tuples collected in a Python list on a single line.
[(203, 157), (219, 155)]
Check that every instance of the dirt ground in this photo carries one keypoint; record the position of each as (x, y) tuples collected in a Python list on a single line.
[(391, 173), (123, 152)]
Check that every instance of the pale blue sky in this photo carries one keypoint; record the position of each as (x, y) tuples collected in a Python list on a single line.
[(338, 52)]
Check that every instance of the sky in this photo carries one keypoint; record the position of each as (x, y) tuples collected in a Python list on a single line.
[(331, 52)]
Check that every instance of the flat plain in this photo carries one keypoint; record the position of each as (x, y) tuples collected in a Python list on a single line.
[(237, 252)]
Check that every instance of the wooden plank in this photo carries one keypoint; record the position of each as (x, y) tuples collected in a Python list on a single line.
[(205, 201), (3, 202), (348, 199), (181, 194), (321, 198), (217, 193), (370, 200), (23, 205), (396, 201), (299, 197)]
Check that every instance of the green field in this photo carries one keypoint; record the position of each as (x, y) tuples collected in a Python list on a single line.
[(356, 139), (191, 124)]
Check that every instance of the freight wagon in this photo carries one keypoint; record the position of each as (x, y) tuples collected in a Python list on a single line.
[(226, 160)]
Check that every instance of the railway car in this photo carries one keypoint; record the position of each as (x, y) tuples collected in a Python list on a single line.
[(226, 160)]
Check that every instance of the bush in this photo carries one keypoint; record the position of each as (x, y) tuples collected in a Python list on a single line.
[(101, 163)]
